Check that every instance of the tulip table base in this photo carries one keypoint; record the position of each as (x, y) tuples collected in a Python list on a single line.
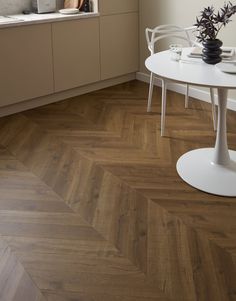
[(197, 169)]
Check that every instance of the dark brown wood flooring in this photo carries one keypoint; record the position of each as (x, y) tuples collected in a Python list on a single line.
[(92, 208)]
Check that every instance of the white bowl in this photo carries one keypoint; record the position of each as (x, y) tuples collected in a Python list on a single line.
[(69, 11)]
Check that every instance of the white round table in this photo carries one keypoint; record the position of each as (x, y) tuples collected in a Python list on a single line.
[(212, 170)]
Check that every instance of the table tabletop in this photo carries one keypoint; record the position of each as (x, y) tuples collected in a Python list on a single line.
[(190, 71)]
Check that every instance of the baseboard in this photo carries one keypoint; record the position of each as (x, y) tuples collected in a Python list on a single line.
[(37, 102), (41, 101), (193, 91)]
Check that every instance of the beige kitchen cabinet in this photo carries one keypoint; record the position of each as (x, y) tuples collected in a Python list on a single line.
[(25, 63), (119, 44), (75, 53), (108, 7)]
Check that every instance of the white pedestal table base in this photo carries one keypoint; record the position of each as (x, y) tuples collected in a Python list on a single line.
[(196, 169)]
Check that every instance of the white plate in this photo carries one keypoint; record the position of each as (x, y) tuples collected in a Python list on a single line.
[(227, 67), (69, 11)]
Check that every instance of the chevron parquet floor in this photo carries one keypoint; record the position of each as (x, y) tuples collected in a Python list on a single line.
[(92, 209)]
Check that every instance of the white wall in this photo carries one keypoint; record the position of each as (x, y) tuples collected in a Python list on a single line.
[(181, 12), (9, 7), (13, 6)]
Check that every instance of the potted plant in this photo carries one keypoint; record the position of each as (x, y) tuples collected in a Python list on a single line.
[(209, 24)]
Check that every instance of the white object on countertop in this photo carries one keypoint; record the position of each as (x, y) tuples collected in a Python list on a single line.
[(69, 11), (18, 20), (31, 19), (33, 16), (6, 20)]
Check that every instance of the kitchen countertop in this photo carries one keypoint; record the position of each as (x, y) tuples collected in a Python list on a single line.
[(19, 20)]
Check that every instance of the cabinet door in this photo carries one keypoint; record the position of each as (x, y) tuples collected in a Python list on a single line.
[(119, 45), (108, 7), (76, 53), (25, 63)]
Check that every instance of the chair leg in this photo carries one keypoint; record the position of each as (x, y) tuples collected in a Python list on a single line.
[(150, 93), (163, 108), (213, 109), (186, 96)]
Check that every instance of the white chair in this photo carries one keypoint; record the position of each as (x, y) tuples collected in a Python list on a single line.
[(176, 32)]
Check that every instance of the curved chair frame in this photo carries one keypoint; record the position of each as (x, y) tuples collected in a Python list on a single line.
[(152, 37)]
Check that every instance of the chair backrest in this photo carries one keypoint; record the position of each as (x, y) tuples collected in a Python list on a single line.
[(170, 30)]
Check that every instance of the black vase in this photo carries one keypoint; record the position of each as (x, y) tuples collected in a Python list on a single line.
[(212, 51), (85, 6)]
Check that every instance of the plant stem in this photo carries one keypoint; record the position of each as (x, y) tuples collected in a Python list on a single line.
[(219, 28)]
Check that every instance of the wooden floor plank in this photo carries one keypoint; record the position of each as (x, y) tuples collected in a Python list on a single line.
[(92, 208), (15, 283)]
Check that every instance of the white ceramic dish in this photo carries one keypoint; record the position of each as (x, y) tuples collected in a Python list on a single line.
[(69, 11), (229, 67)]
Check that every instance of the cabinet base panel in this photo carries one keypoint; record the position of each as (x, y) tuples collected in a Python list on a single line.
[(41, 101)]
